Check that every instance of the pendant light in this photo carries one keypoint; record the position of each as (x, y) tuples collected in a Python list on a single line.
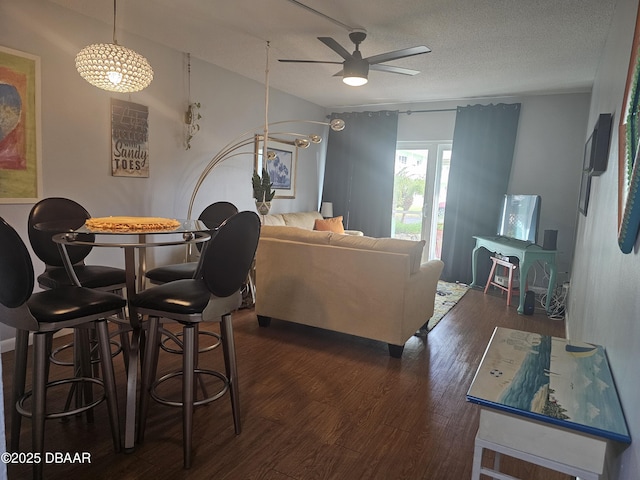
[(112, 67)]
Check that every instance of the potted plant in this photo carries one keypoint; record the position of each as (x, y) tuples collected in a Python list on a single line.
[(262, 192)]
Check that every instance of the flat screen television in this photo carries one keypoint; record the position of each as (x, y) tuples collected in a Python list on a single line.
[(520, 217)]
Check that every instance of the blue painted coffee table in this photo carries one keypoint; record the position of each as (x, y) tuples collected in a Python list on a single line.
[(548, 401)]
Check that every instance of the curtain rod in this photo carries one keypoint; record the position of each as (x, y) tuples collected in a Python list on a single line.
[(409, 112)]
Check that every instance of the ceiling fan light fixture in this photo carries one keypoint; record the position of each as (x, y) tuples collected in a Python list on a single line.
[(355, 71), (355, 81)]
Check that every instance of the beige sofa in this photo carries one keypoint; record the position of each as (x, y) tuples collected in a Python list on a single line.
[(369, 287)]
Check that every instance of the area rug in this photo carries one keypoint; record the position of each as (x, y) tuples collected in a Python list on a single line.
[(447, 295)]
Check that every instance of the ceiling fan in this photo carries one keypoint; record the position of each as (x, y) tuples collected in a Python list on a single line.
[(355, 69)]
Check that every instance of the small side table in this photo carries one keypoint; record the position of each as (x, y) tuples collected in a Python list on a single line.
[(537, 406)]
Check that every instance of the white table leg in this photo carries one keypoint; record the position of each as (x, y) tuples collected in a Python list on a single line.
[(477, 461), (496, 462)]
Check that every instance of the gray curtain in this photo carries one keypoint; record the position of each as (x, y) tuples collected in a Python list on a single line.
[(484, 139), (359, 171)]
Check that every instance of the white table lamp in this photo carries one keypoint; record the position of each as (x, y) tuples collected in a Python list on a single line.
[(326, 210)]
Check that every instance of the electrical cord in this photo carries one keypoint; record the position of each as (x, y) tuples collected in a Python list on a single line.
[(556, 305)]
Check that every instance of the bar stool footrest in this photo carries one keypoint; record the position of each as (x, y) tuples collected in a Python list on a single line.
[(204, 401), (176, 338), (63, 363), (67, 413)]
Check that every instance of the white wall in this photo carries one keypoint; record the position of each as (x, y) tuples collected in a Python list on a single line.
[(604, 305), (547, 158), (76, 127)]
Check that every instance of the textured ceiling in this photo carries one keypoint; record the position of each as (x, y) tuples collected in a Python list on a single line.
[(480, 48)]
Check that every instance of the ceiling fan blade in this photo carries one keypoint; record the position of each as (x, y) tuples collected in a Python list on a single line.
[(308, 61), (336, 47), (395, 55), (391, 69)]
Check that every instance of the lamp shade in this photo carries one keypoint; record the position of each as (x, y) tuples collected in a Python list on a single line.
[(326, 210), (114, 68), (337, 124)]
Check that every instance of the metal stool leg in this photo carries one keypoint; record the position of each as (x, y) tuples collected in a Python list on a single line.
[(188, 366), (231, 366), (199, 378), (40, 360), (19, 380), (148, 374), (82, 344), (109, 379)]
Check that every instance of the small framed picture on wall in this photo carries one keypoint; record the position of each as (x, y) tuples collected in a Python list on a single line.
[(281, 165)]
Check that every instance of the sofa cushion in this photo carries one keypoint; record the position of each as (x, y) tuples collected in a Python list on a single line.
[(274, 219), (392, 245), (296, 219), (301, 219), (329, 225), (295, 234)]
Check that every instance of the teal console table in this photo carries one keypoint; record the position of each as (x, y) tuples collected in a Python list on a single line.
[(527, 253)]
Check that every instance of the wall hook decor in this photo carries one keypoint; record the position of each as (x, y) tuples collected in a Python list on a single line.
[(192, 115)]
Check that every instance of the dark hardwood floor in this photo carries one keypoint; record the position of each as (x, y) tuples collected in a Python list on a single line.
[(315, 405)]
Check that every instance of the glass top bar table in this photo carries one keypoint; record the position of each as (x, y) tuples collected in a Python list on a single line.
[(189, 232)]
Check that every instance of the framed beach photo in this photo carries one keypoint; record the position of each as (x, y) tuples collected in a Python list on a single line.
[(281, 165), (20, 145), (628, 147)]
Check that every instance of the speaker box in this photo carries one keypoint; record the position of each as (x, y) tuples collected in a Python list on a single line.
[(529, 302), (550, 240)]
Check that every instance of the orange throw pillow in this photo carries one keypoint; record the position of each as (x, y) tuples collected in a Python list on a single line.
[(329, 225)]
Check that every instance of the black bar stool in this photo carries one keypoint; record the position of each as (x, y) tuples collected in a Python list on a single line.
[(211, 296), (43, 314)]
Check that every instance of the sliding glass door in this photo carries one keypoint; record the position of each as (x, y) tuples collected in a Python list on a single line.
[(420, 193)]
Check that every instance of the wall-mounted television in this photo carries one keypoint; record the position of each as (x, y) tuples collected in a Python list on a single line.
[(596, 151), (520, 217)]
